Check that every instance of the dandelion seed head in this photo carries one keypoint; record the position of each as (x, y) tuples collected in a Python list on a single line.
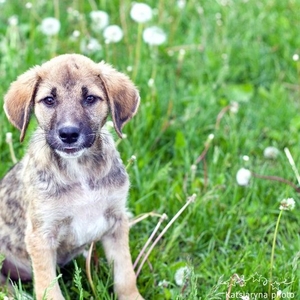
[(243, 177), (50, 26), (287, 204), (129, 68), (90, 46), (211, 136), (73, 14), (154, 36), (234, 107), (193, 167), (28, 5), (271, 152), (8, 137), (151, 82), (141, 12), (100, 19), (295, 57), (246, 158), (13, 21), (113, 34), (181, 275), (164, 283), (75, 34), (181, 4)]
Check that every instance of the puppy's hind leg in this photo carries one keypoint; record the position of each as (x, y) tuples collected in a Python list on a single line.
[(116, 248)]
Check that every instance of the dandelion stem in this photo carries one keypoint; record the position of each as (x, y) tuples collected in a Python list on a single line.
[(142, 217), (190, 199), (162, 218), (88, 268), (279, 179), (292, 163), (273, 253), (11, 147)]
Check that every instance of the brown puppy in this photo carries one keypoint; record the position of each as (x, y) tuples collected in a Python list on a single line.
[(70, 188)]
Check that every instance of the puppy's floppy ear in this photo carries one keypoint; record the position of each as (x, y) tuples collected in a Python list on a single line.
[(18, 101), (123, 96)]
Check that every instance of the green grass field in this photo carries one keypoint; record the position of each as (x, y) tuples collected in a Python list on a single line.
[(228, 68)]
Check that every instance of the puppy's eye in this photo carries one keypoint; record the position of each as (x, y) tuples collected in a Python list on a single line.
[(89, 100), (49, 101)]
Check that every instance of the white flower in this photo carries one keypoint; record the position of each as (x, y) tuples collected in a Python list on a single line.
[(76, 34), (113, 34), (90, 46), (287, 204), (295, 57), (8, 137), (181, 274), (181, 4), (100, 19), (50, 26), (243, 176), (13, 20), (234, 107), (271, 152), (28, 5), (246, 158), (154, 36), (151, 82), (141, 12)]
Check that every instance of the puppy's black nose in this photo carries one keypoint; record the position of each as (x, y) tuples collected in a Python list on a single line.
[(69, 135)]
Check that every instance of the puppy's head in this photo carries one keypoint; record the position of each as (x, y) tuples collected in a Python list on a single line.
[(71, 97)]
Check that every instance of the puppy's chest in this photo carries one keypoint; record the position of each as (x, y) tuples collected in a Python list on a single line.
[(82, 215)]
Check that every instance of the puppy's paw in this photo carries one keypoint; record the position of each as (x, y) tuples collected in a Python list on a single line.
[(133, 296)]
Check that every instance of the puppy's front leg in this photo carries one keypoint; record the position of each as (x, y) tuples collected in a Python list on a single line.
[(116, 248), (43, 259)]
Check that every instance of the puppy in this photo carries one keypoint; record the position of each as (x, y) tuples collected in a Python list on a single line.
[(70, 188)]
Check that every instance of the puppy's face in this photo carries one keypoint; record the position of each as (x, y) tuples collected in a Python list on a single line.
[(70, 106), (71, 97)]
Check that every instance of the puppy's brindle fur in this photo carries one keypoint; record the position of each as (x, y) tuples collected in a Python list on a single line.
[(70, 188)]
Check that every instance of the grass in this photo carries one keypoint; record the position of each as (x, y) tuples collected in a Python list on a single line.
[(216, 53)]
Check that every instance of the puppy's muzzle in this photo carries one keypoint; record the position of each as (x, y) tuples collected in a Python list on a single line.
[(70, 140)]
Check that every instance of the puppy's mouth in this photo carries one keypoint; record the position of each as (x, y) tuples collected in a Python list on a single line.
[(70, 152)]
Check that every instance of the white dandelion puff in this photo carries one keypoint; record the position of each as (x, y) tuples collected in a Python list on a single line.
[(271, 152), (154, 36), (100, 19), (181, 4), (234, 107), (28, 5), (113, 34), (8, 138), (151, 82), (243, 177), (50, 26), (287, 204), (13, 21), (246, 158), (90, 46), (141, 12), (295, 57), (181, 275)]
